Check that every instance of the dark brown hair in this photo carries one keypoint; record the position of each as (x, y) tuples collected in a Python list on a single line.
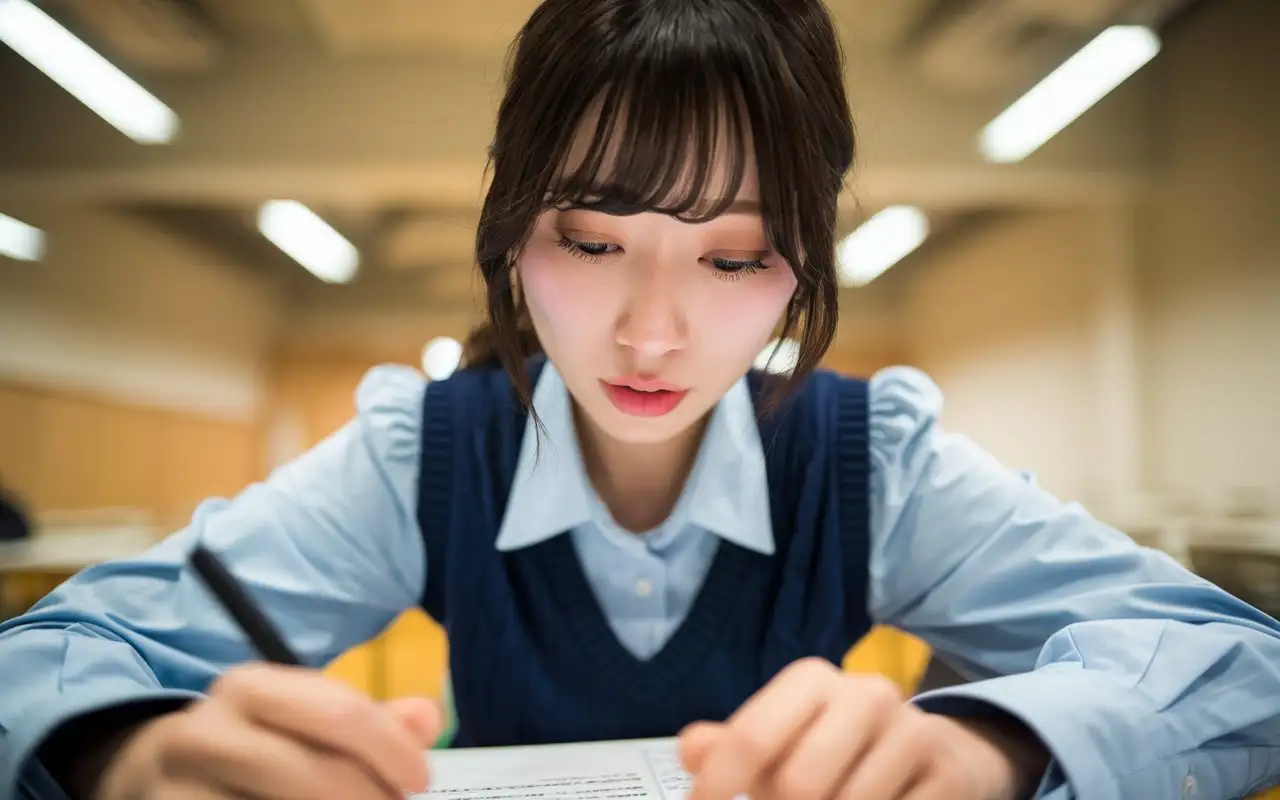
[(661, 86)]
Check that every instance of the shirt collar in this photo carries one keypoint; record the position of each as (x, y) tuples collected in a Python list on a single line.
[(727, 492)]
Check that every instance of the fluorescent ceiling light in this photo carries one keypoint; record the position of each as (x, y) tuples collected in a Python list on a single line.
[(74, 66), (309, 240), (20, 240), (441, 357), (879, 243), (779, 357), (1069, 91)]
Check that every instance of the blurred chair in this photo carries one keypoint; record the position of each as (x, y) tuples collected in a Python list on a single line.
[(938, 674), (1253, 575), (15, 525), (90, 520), (61, 543)]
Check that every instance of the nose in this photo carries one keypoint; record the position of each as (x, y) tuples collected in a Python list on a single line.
[(653, 320)]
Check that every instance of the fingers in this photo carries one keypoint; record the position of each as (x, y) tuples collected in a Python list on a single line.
[(932, 787), (896, 761), (190, 790), (421, 716), (760, 732), (215, 749), (696, 742), (858, 711), (330, 716), (815, 733)]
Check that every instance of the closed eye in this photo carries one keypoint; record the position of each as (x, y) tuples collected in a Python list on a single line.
[(595, 252), (592, 252), (734, 269)]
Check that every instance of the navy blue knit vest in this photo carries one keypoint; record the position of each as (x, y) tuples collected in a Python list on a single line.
[(532, 657)]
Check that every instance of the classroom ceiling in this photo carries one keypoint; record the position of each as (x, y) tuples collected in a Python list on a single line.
[(376, 113), (960, 44)]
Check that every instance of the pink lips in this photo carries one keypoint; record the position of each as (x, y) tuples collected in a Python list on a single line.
[(643, 397)]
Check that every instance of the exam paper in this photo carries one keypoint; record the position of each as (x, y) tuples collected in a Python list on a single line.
[(648, 769)]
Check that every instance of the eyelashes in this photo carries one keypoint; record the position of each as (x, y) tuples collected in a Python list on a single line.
[(592, 252), (596, 252)]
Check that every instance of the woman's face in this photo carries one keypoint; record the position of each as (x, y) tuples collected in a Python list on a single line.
[(650, 319)]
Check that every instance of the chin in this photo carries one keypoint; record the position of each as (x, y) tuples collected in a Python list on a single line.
[(635, 430)]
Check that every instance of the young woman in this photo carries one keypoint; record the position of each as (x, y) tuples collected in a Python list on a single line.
[(668, 543)]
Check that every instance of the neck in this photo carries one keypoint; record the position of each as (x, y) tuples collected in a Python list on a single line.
[(638, 483)]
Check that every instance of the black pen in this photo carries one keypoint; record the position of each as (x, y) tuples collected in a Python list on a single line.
[(233, 597)]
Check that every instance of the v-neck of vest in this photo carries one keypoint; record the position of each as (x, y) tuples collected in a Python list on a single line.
[(701, 631)]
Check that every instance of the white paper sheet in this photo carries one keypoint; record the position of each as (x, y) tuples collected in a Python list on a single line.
[(647, 769)]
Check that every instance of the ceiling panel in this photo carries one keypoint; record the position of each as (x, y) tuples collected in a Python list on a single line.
[(371, 27), (882, 23), (261, 20)]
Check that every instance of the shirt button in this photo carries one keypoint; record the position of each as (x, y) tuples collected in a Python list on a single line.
[(1189, 786), (644, 588)]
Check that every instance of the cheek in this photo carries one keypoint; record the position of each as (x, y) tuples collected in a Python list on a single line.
[(750, 315), (543, 292), (739, 323), (562, 300)]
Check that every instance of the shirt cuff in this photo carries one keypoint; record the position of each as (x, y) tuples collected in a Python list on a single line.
[(21, 774), (1095, 730)]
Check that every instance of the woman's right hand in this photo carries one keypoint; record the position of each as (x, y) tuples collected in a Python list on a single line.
[(275, 732)]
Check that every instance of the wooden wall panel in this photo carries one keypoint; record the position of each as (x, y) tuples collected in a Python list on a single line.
[(62, 451), (19, 442), (862, 364), (205, 458)]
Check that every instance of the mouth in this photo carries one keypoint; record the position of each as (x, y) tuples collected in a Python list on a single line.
[(643, 397)]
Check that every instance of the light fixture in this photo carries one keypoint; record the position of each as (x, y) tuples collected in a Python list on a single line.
[(879, 243), (779, 357), (1067, 92), (89, 77), (441, 357), (20, 240), (309, 240)]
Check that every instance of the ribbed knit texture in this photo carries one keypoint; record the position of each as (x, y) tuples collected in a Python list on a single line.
[(532, 657)]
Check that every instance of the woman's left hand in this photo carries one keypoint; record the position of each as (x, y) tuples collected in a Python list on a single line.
[(816, 733)]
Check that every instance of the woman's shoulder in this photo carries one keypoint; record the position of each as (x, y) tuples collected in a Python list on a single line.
[(904, 405), (399, 411), (900, 401), (399, 386), (903, 391), (390, 388), (891, 391), (389, 409)]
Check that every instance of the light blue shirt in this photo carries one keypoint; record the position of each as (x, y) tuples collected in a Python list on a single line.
[(1141, 679)]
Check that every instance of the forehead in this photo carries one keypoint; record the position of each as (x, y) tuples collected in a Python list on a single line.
[(680, 162)]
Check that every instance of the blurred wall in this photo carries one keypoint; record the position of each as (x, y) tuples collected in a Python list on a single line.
[(1003, 319), (1211, 262), (122, 309), (133, 369), (1133, 346)]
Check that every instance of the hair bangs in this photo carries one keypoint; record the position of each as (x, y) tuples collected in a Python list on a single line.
[(648, 144)]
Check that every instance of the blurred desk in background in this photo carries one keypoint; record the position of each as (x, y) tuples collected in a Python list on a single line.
[(1240, 555), (71, 552), (31, 568)]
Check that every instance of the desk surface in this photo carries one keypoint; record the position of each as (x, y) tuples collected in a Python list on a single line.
[(73, 550), (1241, 535)]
